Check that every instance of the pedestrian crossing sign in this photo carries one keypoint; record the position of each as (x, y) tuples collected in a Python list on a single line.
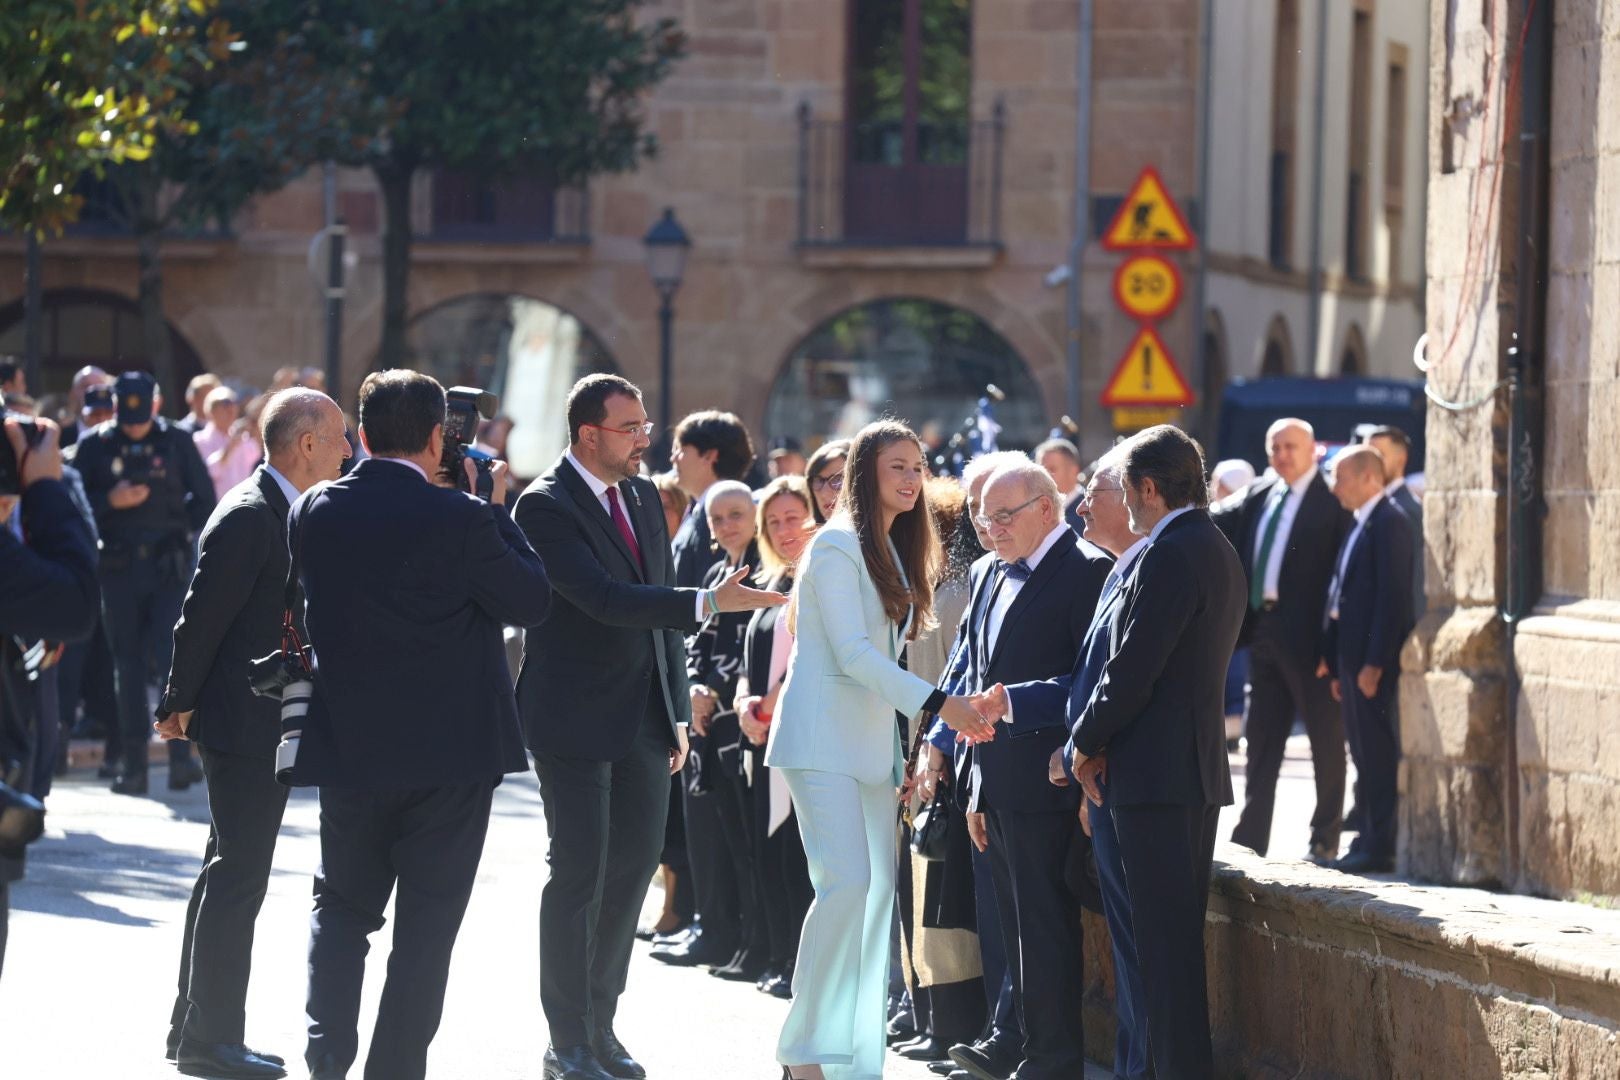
[(1148, 218), (1146, 375)]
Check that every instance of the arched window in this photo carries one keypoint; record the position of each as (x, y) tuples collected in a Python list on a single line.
[(1353, 357), (1277, 356), (527, 351), (87, 326), (920, 361)]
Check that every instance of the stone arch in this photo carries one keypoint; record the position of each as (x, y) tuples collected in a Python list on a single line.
[(527, 350), (916, 357), (1353, 355), (94, 326), (1277, 349)]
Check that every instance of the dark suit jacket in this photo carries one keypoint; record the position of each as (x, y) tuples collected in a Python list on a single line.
[(232, 617), (1042, 633), (406, 588), (695, 552), (615, 630), (1071, 515), (1307, 568), (48, 587), (1406, 501), (1159, 709), (1375, 598)]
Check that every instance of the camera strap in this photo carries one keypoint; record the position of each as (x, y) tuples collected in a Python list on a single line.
[(292, 642)]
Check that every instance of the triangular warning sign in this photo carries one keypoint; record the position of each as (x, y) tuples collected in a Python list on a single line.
[(1148, 218), (1146, 375)]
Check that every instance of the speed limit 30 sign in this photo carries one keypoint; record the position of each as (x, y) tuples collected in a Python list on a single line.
[(1147, 287)]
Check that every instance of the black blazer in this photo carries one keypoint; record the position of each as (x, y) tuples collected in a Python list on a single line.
[(1319, 528), (714, 655), (615, 632), (1375, 598), (760, 636), (695, 551), (232, 617), (1159, 709), (1407, 502), (1042, 633), (406, 588), (48, 587)]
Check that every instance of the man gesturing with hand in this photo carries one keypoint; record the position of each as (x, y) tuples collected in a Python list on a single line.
[(604, 700)]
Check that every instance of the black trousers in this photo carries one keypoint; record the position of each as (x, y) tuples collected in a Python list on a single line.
[(605, 820), (1167, 851), (784, 872), (245, 805), (427, 842), (735, 807), (1282, 686), (1373, 727), (714, 878), (1040, 930), (140, 605)]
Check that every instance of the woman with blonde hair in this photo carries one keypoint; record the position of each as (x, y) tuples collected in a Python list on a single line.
[(865, 588)]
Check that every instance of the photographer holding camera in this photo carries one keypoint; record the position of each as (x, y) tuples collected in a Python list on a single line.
[(232, 616), (151, 492), (47, 590), (412, 721)]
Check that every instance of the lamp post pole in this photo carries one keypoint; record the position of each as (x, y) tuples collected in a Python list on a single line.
[(666, 333), (667, 246)]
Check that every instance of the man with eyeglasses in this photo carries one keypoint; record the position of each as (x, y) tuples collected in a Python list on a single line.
[(604, 701), (1034, 595)]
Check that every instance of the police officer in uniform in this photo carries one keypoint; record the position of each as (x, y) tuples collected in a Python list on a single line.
[(151, 494)]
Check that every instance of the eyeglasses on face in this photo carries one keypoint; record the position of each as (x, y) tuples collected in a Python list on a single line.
[(829, 482), (1090, 494), (644, 429), (1004, 518)]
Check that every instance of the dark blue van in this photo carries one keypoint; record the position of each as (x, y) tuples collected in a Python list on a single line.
[(1336, 408)]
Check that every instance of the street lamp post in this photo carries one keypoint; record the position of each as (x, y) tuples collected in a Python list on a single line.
[(667, 247)]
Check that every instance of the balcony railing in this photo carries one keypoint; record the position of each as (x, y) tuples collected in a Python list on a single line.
[(468, 208), (857, 187)]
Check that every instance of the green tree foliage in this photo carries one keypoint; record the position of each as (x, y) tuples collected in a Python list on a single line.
[(551, 88)]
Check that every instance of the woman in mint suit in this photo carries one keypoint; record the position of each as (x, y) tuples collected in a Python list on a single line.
[(863, 591)]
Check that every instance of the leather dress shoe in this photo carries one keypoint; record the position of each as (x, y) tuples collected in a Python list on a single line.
[(900, 1029), (327, 1068), (171, 1052), (130, 783), (984, 1060), (742, 968), (1365, 862), (232, 1061), (573, 1063), (650, 932), (695, 951), (613, 1057), (182, 774), (924, 1048), (943, 1068), (676, 937)]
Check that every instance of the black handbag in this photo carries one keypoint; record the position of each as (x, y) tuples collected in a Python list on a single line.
[(938, 825)]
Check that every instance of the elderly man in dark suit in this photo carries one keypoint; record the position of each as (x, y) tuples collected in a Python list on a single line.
[(1286, 529), (1029, 623), (412, 722), (603, 693), (232, 615), (1369, 615), (1153, 728)]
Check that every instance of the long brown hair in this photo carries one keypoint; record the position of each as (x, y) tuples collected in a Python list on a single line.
[(912, 532)]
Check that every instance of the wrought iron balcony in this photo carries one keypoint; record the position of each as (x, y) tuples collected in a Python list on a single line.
[(895, 184)]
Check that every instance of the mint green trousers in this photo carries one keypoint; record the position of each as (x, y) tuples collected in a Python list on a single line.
[(840, 985)]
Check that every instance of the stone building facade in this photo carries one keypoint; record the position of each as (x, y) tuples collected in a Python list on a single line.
[(816, 198), (1511, 697)]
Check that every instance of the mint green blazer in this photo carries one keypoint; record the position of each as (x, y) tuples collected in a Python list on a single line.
[(844, 682)]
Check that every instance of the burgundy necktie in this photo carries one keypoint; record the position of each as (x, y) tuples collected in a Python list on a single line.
[(617, 513)]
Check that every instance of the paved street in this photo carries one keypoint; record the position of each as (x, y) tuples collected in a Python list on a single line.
[(95, 933)]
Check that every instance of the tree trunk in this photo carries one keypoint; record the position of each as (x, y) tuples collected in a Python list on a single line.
[(395, 180), (148, 226)]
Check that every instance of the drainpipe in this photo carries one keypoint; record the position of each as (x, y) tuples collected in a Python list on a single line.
[(1526, 373), (1082, 202), (1206, 80), (1313, 283)]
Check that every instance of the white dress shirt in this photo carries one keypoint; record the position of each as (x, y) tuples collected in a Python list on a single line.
[(283, 483), (1362, 513), (1007, 591), (599, 488), (1279, 545), (1394, 485)]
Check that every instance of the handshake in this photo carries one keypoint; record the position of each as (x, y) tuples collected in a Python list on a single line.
[(974, 716)]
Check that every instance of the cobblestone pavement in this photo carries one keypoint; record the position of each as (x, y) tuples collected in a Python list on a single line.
[(95, 934)]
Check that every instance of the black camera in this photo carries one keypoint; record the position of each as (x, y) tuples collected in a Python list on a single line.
[(464, 407), (286, 677), (10, 467)]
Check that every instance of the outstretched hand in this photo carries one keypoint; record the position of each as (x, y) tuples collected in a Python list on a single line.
[(733, 595), (962, 716)]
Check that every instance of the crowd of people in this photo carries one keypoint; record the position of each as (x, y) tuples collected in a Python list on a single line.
[(1036, 656)]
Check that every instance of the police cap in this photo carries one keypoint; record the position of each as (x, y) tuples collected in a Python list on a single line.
[(134, 390)]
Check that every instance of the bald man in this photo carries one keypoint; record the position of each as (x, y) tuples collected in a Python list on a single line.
[(1369, 615), (1287, 530)]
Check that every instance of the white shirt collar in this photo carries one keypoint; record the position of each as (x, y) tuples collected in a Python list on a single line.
[(1364, 511), (1167, 519), (598, 488), (413, 466), (283, 483), (1394, 485), (1298, 486), (1122, 565), (1046, 545)]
